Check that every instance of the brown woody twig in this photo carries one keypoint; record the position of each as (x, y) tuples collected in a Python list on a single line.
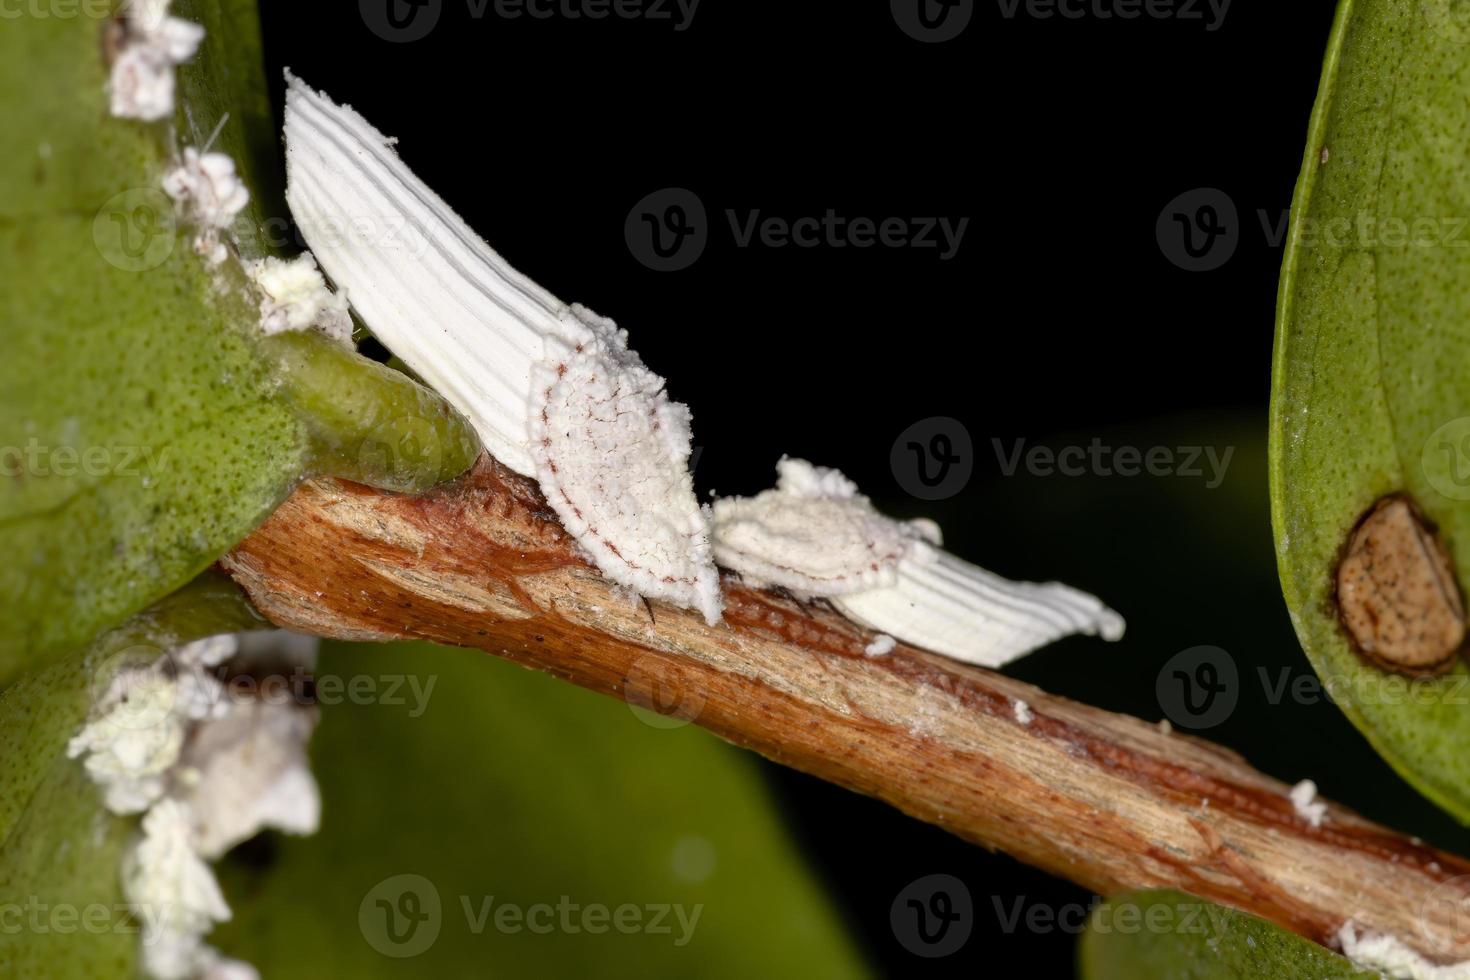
[(1108, 801)]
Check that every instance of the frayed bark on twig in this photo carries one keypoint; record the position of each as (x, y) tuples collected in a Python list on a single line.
[(1105, 800)]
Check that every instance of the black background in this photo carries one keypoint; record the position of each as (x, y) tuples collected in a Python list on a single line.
[(1059, 320)]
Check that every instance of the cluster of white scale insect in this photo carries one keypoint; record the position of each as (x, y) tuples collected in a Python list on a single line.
[(555, 393), (208, 768)]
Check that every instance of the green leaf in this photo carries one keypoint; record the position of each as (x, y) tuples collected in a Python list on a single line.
[(59, 886), (365, 421), (1168, 935), (227, 76), (145, 428), (120, 341), (141, 433), (1371, 386), (514, 787), (59, 850)]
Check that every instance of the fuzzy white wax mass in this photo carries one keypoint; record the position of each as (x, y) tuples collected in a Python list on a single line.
[(1391, 957), (148, 45)]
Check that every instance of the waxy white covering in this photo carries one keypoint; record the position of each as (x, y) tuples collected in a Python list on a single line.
[(552, 389), (152, 43), (815, 535), (208, 770), (210, 193), (1392, 958), (294, 296)]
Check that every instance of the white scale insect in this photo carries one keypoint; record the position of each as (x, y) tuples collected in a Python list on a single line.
[(815, 535), (553, 390), (148, 43), (555, 394)]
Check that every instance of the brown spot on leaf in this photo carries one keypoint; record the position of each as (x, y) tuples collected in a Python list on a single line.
[(1396, 591)]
